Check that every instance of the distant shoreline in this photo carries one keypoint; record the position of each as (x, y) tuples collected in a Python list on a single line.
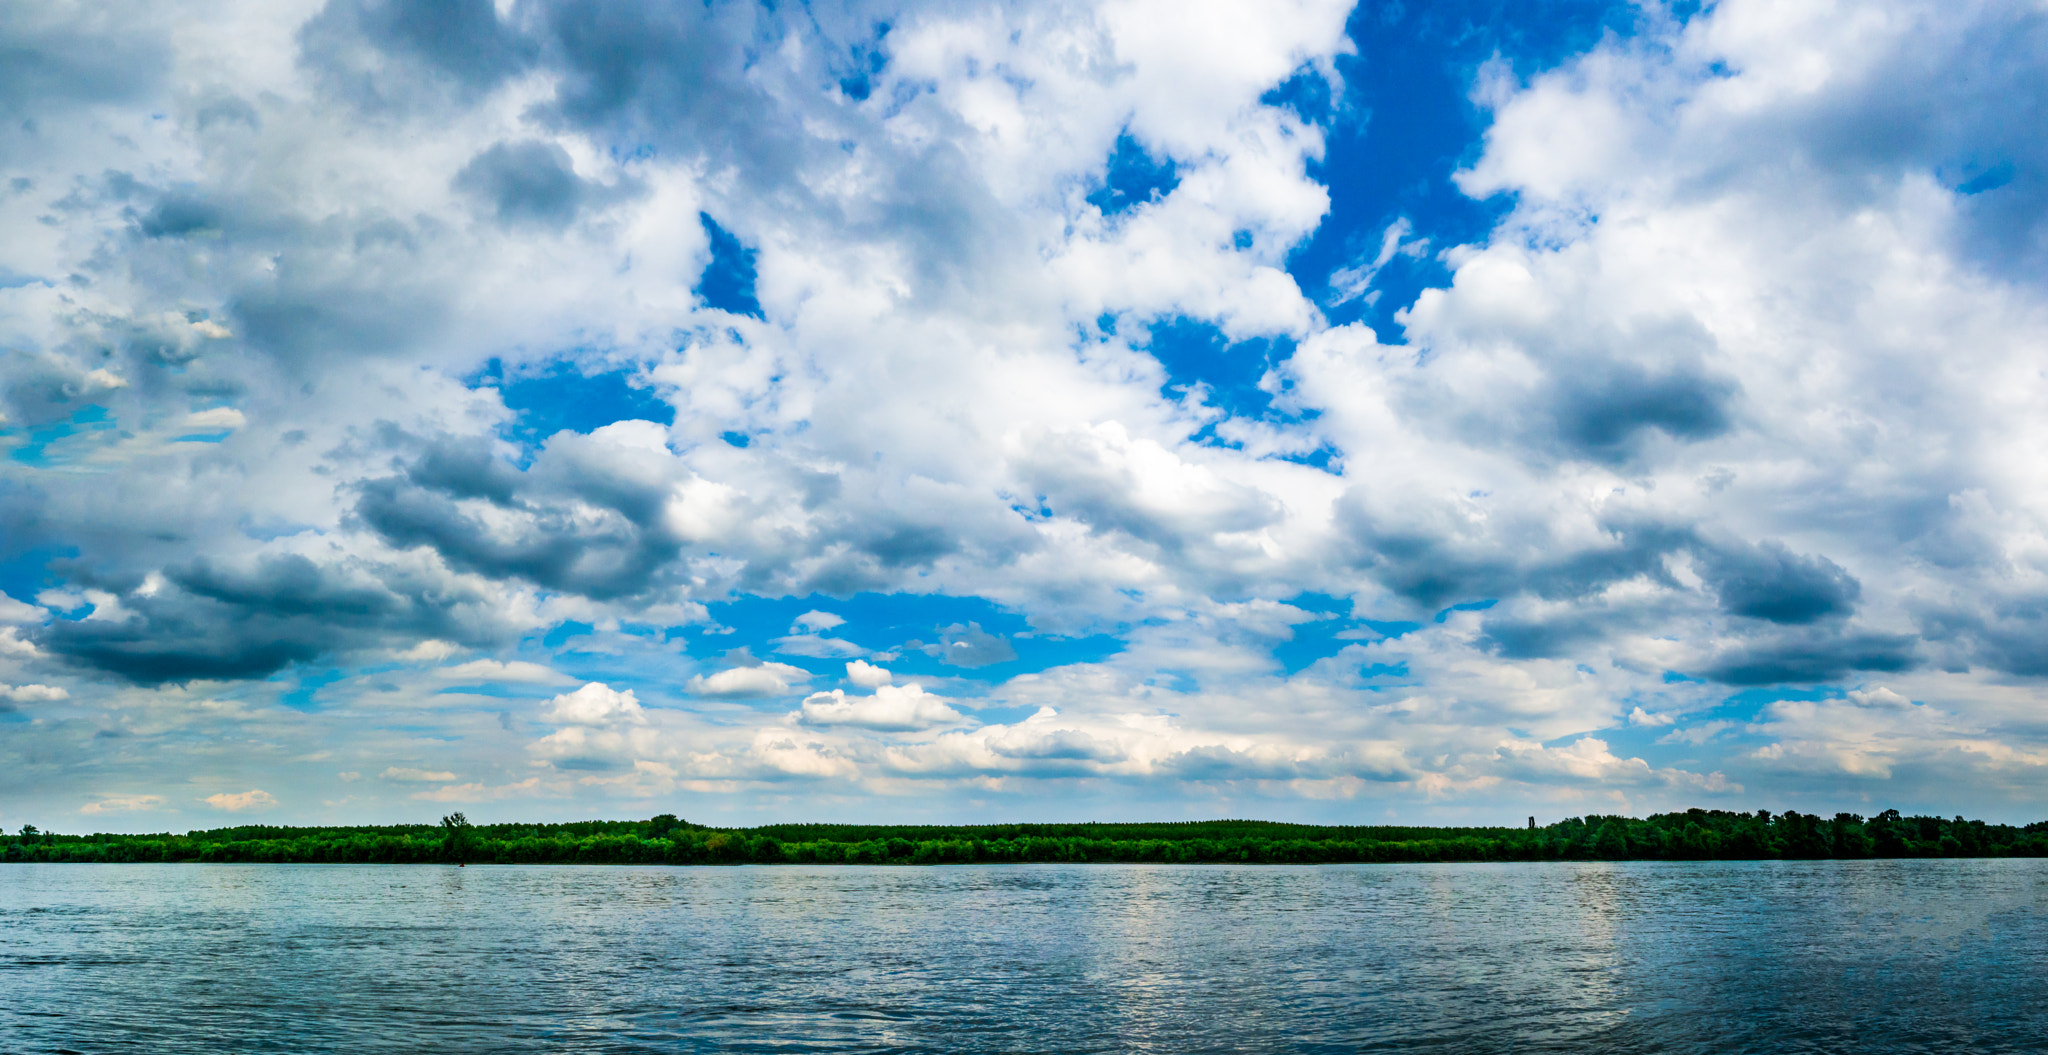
[(1695, 835)]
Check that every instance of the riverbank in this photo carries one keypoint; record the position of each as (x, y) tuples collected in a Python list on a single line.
[(1692, 835)]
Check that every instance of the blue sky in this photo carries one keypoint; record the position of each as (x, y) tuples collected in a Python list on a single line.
[(1447, 411)]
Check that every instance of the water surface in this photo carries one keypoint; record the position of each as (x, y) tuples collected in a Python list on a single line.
[(1891, 956)]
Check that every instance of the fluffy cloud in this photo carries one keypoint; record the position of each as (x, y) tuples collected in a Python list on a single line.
[(346, 344), (761, 679), (867, 675), (33, 693), (891, 708), (242, 801), (595, 704), (494, 671), (115, 804)]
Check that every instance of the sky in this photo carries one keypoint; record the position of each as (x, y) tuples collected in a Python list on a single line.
[(1129, 410)]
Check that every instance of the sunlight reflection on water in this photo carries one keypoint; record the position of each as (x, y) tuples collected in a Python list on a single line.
[(1947, 956)]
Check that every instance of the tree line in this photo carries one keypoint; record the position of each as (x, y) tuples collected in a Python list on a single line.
[(1694, 835)]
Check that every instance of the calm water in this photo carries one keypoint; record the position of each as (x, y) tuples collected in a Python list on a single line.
[(1894, 956)]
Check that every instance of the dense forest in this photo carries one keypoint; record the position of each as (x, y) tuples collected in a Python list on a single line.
[(1694, 835)]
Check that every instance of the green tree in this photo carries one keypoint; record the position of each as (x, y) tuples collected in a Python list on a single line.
[(458, 838), (1612, 842)]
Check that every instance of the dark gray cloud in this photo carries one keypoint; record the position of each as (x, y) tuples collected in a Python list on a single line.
[(1763, 581), (1910, 111), (393, 53), (683, 79), (350, 287), (1222, 763), (1512, 638), (1767, 581), (911, 545), (596, 519), (465, 467), (210, 621), (1065, 745), (57, 55), (968, 645), (646, 71), (1435, 568), (1611, 392), (549, 544), (525, 182), (1808, 656), (2009, 634), (40, 389), (1602, 409), (226, 112), (181, 215), (22, 521)]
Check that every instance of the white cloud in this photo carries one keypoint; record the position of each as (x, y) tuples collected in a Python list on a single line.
[(765, 679), (1881, 697), (1589, 761), (33, 693), (432, 650), (595, 704), (866, 675), (817, 647), (242, 801), (123, 804), (13, 611), (478, 792), (216, 418), (1696, 735), (413, 775), (491, 670), (891, 708), (1734, 390)]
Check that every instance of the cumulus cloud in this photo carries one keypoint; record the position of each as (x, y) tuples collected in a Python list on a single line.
[(1589, 760), (813, 622), (34, 693), (890, 708), (242, 801), (516, 671), (595, 704), (654, 334), (114, 804), (867, 675), (428, 651), (762, 679), (13, 611)]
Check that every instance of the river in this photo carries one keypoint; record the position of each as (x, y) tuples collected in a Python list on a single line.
[(1868, 956)]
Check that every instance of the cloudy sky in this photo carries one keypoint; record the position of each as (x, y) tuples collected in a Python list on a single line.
[(1137, 409)]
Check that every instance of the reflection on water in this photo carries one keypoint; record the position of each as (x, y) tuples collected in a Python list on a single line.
[(1938, 956)]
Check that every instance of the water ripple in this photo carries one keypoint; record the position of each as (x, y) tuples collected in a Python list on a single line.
[(1891, 956)]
